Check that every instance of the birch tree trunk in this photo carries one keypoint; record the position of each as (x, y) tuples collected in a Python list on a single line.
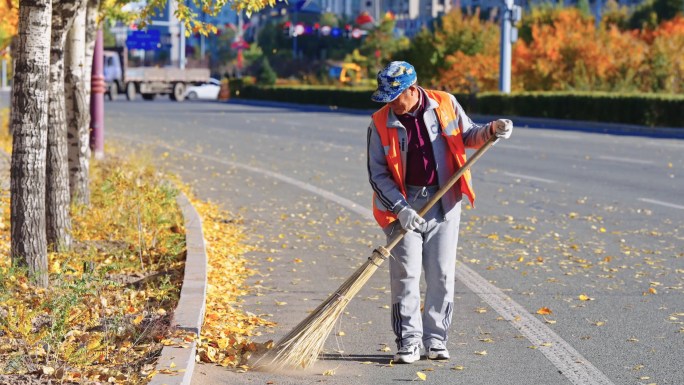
[(58, 221), (78, 111), (92, 15), (29, 125)]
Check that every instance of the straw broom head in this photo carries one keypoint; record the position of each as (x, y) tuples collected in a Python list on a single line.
[(301, 346)]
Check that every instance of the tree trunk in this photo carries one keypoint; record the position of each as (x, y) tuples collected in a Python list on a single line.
[(92, 14), (78, 111), (58, 222), (29, 125)]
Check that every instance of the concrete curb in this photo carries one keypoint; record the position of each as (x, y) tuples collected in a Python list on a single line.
[(189, 312)]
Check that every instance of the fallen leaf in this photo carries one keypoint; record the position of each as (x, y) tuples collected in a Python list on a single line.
[(458, 367), (422, 376), (544, 311), (584, 297), (482, 353), (329, 372)]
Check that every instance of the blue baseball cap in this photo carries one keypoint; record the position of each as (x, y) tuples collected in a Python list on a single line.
[(393, 80)]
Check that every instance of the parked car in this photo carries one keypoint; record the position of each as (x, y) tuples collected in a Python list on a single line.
[(208, 90)]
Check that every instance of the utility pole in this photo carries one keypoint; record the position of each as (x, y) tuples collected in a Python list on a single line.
[(97, 91), (509, 35), (3, 83)]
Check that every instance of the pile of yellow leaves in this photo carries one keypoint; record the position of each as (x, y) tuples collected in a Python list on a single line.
[(226, 330)]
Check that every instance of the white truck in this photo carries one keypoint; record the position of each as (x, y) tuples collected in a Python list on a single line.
[(147, 81)]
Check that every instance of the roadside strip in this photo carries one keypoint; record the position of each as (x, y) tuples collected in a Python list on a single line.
[(564, 357), (176, 363)]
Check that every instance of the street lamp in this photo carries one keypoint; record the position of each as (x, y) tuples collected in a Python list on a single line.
[(509, 34)]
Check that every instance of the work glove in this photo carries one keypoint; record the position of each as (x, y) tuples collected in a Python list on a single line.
[(409, 219), (503, 128)]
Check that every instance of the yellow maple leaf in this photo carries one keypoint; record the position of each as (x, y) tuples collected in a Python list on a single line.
[(584, 297), (422, 376)]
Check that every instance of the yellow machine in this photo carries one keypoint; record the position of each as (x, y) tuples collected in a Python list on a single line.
[(346, 73)]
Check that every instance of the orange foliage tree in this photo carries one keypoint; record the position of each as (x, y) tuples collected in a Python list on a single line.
[(472, 63), (9, 19), (569, 53), (666, 56)]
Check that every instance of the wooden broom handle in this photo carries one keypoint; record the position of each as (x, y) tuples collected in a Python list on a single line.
[(454, 178)]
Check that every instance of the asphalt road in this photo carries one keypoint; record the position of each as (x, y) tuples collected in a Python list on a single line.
[(561, 216)]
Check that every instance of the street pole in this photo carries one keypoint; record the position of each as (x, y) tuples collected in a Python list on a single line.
[(509, 35), (3, 84), (181, 61), (97, 91), (505, 64)]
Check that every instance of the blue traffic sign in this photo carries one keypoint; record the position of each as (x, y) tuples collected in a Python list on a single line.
[(147, 40)]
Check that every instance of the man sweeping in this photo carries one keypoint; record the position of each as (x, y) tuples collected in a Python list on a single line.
[(416, 141)]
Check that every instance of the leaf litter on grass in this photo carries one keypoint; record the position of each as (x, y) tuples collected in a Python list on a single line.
[(107, 312)]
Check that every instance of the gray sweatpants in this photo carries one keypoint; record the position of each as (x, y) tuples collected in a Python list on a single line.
[(433, 250)]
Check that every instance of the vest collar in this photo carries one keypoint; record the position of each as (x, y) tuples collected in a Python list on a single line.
[(393, 121)]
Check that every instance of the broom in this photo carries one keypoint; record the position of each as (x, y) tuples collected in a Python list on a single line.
[(301, 346)]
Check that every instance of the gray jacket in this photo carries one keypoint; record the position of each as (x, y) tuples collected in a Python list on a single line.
[(387, 193)]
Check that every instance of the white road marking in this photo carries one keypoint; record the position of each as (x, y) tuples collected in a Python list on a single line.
[(661, 203), (346, 203), (534, 178), (625, 160), (564, 357), (515, 147)]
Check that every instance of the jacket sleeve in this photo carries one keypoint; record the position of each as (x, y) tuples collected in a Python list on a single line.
[(387, 193), (474, 135)]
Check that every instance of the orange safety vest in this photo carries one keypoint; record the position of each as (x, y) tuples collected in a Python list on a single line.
[(390, 140)]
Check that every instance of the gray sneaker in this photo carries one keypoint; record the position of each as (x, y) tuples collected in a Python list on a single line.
[(438, 352), (407, 354)]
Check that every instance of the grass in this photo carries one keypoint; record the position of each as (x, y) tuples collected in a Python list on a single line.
[(107, 309)]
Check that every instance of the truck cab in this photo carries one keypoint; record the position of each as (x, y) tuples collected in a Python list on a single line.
[(113, 74)]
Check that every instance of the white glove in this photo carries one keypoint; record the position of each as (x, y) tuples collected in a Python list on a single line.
[(503, 128), (409, 219)]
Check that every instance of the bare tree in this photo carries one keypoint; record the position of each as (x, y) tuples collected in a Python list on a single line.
[(58, 221), (29, 125)]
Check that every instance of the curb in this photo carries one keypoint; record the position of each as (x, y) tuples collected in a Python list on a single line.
[(520, 121), (189, 312)]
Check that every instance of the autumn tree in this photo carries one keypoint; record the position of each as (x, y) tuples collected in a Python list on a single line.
[(380, 45), (9, 18), (665, 56), (454, 32), (29, 124), (58, 223), (474, 65), (566, 51), (35, 91)]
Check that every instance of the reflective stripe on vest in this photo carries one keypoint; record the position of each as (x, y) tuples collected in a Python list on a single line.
[(390, 142)]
